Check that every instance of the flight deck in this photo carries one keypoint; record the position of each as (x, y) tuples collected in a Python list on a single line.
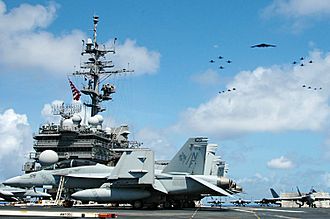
[(189, 213)]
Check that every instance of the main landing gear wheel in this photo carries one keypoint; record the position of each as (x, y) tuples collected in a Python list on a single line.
[(68, 203), (137, 204)]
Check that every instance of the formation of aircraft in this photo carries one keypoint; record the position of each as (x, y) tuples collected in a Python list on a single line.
[(192, 173), (228, 90), (302, 62), (221, 66), (311, 88)]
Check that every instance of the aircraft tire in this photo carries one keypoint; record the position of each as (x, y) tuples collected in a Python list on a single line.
[(167, 205), (67, 203), (137, 204)]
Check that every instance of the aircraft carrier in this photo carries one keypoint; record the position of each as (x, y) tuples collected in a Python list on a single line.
[(81, 138)]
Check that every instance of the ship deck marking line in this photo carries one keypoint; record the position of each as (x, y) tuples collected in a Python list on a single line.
[(275, 210), (247, 211), (286, 217), (50, 213), (195, 212)]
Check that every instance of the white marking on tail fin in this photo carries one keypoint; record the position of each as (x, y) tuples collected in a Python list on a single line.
[(190, 159)]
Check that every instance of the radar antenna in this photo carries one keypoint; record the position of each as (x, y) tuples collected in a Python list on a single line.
[(96, 70), (66, 111)]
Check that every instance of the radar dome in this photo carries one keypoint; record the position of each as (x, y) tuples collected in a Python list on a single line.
[(48, 157), (76, 119), (67, 123), (93, 121), (100, 118)]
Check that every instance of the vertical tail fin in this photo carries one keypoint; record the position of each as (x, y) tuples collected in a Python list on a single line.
[(209, 158), (299, 193), (274, 194), (190, 159)]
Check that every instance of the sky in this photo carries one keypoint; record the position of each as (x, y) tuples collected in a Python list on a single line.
[(271, 130)]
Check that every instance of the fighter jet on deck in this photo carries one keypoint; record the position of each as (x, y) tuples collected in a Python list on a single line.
[(184, 180), (240, 202), (11, 194), (300, 199), (78, 174), (216, 202), (262, 45), (195, 170)]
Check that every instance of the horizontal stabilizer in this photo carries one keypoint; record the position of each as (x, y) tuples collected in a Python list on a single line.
[(6, 193), (159, 187), (33, 193), (135, 166), (210, 186)]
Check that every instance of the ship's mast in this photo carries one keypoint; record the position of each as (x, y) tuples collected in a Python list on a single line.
[(96, 70)]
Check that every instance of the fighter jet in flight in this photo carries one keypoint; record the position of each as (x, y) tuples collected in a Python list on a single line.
[(262, 45)]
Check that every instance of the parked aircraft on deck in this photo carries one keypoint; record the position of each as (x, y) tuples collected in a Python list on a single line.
[(181, 182)]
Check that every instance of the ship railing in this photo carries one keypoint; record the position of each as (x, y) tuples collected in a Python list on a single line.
[(48, 128), (135, 144), (67, 155), (69, 128), (33, 155)]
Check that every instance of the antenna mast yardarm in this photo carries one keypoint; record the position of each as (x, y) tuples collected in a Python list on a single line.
[(94, 70)]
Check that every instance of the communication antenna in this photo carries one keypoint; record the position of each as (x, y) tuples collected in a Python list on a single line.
[(96, 69), (66, 111)]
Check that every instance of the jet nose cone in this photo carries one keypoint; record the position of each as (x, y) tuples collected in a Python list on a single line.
[(239, 188), (82, 195), (15, 181)]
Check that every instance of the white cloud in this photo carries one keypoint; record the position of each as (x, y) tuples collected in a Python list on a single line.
[(140, 59), (16, 142), (298, 8), (280, 163), (266, 99), (15, 20), (326, 179), (157, 141), (256, 179), (47, 113), (25, 43), (209, 77), (300, 13)]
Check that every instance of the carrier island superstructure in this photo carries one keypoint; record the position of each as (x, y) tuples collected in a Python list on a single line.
[(72, 138)]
